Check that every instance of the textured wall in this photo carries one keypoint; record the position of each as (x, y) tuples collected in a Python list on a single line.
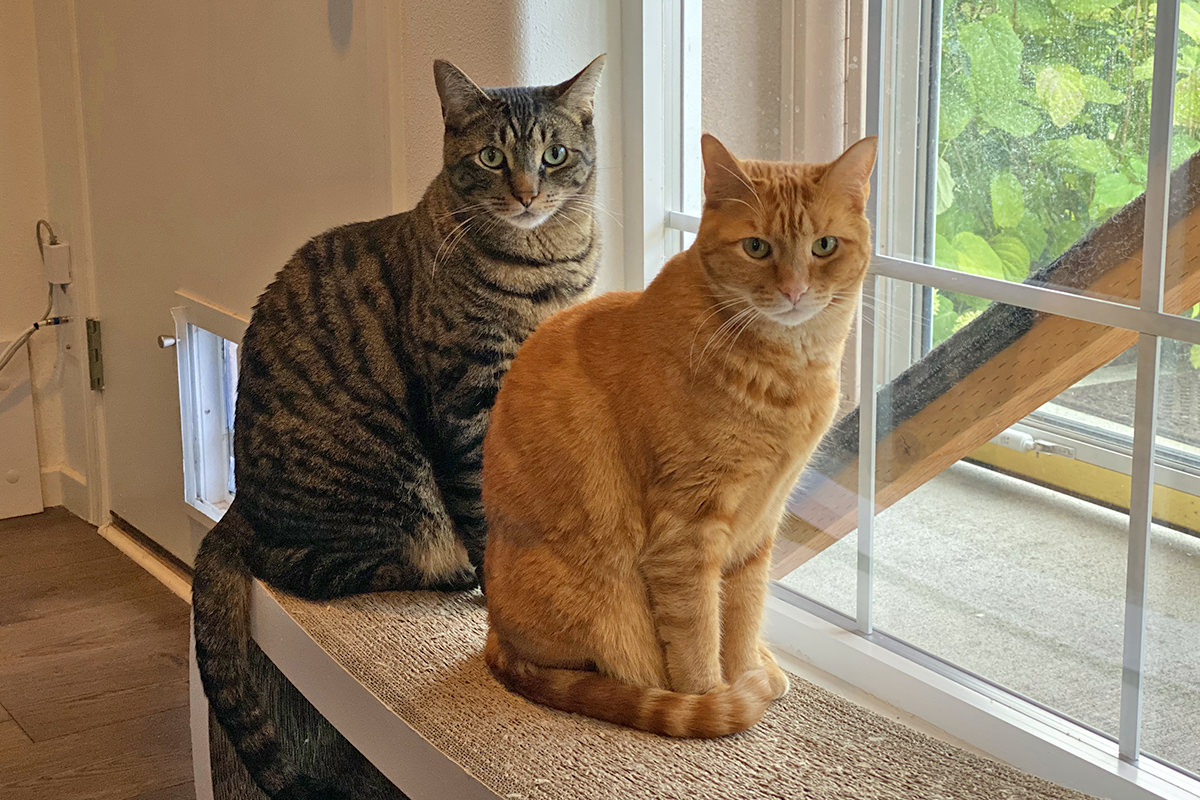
[(22, 203), (741, 75)]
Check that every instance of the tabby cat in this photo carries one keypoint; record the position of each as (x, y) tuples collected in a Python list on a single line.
[(367, 374), (642, 447)]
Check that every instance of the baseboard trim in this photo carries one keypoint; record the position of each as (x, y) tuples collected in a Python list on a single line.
[(169, 572), (66, 487)]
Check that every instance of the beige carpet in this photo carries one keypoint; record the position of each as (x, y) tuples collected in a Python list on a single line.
[(421, 653)]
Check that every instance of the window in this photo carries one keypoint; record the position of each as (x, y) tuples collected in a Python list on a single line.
[(1030, 332)]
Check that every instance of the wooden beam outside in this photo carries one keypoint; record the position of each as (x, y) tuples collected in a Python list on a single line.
[(1004, 365)]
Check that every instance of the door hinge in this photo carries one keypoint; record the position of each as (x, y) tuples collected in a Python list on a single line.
[(95, 355)]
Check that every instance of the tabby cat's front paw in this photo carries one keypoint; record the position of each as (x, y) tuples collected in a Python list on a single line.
[(777, 677)]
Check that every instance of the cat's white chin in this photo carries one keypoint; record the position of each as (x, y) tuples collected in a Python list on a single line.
[(795, 316), (529, 219)]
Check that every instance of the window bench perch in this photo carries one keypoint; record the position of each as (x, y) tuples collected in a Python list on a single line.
[(402, 677)]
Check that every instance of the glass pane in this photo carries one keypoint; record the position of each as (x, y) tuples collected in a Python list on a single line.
[(1040, 135), (1182, 282), (1171, 690), (818, 543), (993, 551)]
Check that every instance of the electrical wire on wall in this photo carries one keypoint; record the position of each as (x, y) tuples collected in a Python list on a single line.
[(46, 320)]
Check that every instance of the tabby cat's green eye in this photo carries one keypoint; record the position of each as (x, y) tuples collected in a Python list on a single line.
[(491, 157), (756, 247), (555, 154), (824, 246)]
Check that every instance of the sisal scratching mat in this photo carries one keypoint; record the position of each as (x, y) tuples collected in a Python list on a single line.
[(421, 654)]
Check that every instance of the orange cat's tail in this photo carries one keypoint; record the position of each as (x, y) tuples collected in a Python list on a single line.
[(727, 709)]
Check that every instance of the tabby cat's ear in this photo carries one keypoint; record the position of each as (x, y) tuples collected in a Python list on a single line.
[(459, 94), (851, 172), (579, 92), (723, 176)]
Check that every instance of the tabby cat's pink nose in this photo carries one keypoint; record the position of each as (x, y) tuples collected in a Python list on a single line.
[(526, 198)]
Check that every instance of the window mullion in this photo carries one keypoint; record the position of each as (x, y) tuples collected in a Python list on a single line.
[(867, 342), (1154, 243)]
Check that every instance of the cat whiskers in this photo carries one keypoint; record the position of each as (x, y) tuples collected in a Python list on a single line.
[(590, 203), (727, 328), (742, 329), (452, 239), (468, 207), (716, 308), (749, 186), (580, 222)]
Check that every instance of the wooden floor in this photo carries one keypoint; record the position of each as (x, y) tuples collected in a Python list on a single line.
[(93, 669)]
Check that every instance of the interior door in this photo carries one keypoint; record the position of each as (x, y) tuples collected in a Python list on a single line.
[(218, 138)]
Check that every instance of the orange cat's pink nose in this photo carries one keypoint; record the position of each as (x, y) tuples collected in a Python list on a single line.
[(794, 291)]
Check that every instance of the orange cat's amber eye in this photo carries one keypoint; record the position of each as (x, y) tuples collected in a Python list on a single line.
[(756, 247), (824, 246)]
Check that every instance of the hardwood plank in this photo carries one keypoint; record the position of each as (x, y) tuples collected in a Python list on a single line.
[(79, 709), (48, 540), (113, 762), (90, 629), (66, 673), (47, 517), (184, 791), (93, 658), (13, 740), (43, 592)]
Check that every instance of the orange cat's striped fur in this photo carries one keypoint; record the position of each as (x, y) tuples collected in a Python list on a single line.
[(642, 446)]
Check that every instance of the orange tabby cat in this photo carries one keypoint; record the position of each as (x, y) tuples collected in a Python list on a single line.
[(642, 446)]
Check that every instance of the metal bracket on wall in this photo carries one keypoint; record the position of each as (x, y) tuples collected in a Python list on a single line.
[(94, 355)]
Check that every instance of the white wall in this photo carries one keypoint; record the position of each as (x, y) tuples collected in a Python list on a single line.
[(22, 203), (195, 146)]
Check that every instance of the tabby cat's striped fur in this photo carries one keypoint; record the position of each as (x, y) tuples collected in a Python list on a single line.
[(367, 374)]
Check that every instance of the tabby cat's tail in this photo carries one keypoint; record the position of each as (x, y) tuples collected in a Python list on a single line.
[(727, 709), (221, 615)]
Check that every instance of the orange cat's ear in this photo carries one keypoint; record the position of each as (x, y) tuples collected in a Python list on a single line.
[(723, 176), (851, 173)]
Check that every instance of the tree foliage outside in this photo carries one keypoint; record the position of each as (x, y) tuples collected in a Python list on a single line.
[(1044, 130)]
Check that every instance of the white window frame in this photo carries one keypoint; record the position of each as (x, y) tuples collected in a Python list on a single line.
[(206, 439), (979, 713)]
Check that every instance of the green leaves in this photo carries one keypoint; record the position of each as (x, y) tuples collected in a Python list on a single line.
[(1008, 206), (1187, 101), (1089, 155), (1043, 129), (945, 317), (1189, 19), (945, 187), (1004, 258), (1013, 255), (1097, 90), (994, 81), (1060, 88), (973, 254), (1113, 191), (954, 111)]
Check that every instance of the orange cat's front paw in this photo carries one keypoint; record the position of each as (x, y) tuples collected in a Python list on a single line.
[(777, 677)]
